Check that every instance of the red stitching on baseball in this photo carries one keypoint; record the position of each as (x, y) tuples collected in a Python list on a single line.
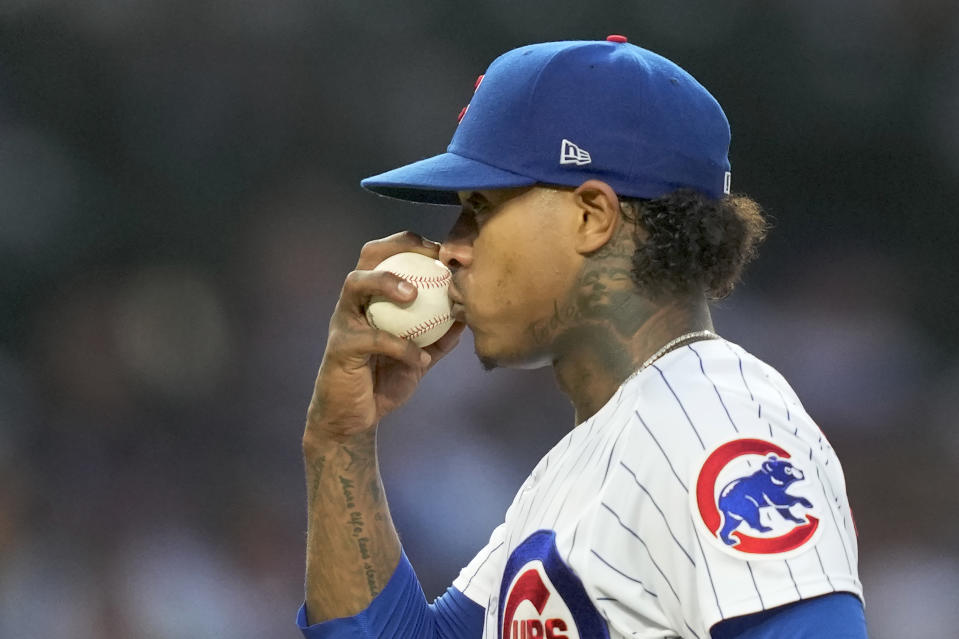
[(425, 281), (419, 329)]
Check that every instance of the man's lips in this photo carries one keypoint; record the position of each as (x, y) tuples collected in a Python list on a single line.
[(458, 311)]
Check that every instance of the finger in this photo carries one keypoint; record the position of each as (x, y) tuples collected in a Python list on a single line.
[(376, 251), (359, 343), (444, 345), (361, 286)]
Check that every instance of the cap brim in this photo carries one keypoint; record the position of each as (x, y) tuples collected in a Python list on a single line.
[(436, 180)]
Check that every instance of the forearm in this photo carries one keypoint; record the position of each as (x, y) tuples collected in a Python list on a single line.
[(352, 546)]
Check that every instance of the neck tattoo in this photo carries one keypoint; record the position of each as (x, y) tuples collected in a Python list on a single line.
[(671, 345)]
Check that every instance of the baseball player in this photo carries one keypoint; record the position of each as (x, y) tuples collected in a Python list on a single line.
[(694, 497)]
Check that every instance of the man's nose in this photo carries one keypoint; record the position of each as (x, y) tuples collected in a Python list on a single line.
[(456, 253), (457, 250)]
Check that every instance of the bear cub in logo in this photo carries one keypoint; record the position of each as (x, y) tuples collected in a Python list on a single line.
[(741, 499)]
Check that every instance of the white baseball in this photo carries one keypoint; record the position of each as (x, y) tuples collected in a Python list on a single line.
[(428, 317)]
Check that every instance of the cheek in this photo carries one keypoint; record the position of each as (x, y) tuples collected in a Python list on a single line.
[(520, 270), (526, 285)]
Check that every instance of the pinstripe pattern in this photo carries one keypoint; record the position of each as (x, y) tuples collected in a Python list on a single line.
[(665, 456), (620, 572), (660, 511), (702, 368), (709, 576), (616, 492), (832, 514), (646, 547), (678, 401), (483, 563)]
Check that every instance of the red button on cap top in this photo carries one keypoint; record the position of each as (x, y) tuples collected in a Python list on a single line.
[(616, 38)]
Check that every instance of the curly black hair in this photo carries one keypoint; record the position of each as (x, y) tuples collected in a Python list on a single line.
[(687, 242)]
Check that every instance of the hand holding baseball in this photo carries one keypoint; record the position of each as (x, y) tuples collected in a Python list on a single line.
[(367, 372), (427, 318)]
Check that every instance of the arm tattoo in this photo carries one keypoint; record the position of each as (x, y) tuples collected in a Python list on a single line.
[(353, 457), (347, 486), (317, 468)]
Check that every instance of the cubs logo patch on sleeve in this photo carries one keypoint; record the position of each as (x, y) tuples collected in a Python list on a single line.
[(750, 499), (541, 597)]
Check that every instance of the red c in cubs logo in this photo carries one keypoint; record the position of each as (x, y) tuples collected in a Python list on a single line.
[(752, 500), (530, 587)]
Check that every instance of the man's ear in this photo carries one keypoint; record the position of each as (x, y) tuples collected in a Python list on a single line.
[(599, 215)]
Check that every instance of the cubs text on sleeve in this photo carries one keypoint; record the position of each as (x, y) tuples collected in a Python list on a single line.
[(701, 491)]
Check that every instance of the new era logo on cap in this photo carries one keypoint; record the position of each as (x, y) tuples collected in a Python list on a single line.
[(572, 154)]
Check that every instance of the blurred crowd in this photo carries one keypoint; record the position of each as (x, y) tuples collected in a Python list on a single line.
[(179, 203)]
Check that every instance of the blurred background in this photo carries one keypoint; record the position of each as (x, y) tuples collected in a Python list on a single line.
[(179, 203)]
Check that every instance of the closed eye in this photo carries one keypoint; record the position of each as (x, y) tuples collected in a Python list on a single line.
[(476, 201), (480, 208)]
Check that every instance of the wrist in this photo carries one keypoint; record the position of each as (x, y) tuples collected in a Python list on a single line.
[(320, 439), (330, 421)]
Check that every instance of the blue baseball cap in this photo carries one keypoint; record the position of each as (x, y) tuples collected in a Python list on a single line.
[(561, 113)]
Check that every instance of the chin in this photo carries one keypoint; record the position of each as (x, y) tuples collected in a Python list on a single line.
[(491, 357)]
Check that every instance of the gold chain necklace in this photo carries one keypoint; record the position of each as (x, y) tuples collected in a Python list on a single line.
[(670, 345)]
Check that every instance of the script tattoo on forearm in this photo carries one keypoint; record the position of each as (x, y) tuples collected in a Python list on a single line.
[(352, 546), (371, 579), (347, 486), (356, 523)]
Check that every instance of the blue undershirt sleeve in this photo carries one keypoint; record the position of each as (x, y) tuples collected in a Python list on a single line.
[(456, 615), (401, 612), (836, 616)]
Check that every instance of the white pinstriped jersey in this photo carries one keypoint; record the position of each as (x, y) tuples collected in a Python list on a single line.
[(701, 491)]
